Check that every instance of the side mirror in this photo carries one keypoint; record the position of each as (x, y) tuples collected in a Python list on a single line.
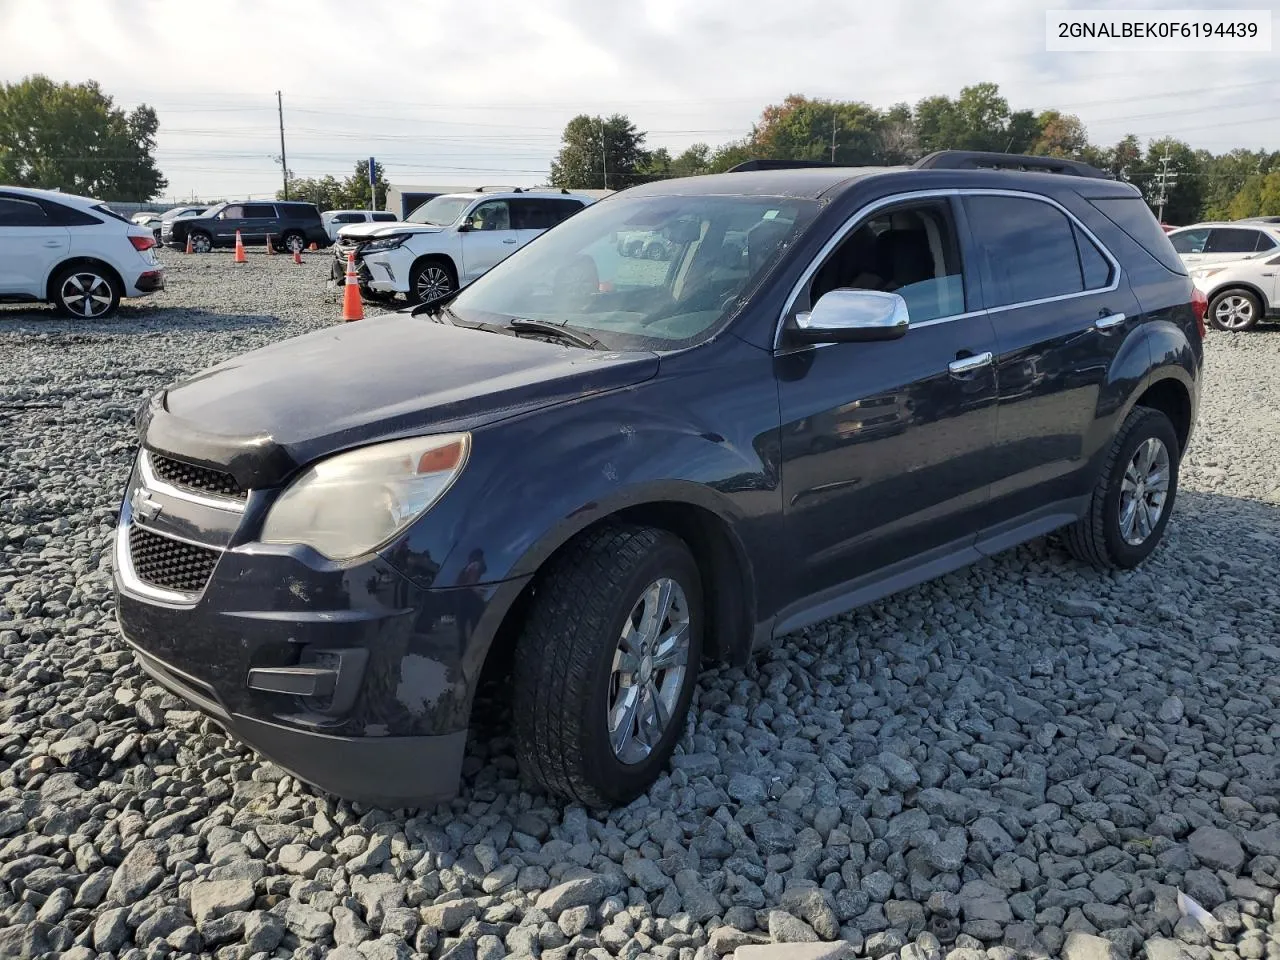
[(466, 225), (852, 316)]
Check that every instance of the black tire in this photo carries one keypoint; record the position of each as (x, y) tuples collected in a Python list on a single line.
[(291, 241), (1241, 310), (86, 292), (1097, 537), (377, 296), (564, 662), (201, 242), (434, 276)]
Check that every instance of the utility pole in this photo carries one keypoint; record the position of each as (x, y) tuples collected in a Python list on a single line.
[(1165, 179), (284, 164), (833, 139), (604, 155)]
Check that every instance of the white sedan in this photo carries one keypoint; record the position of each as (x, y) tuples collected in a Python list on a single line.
[(1241, 292)]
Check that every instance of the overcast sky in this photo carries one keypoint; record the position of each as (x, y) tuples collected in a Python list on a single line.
[(451, 92)]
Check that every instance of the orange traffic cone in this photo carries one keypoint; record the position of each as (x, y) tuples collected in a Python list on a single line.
[(240, 257), (271, 247), (314, 246), (297, 255), (352, 308), (190, 249)]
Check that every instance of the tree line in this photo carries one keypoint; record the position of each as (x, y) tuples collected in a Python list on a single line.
[(596, 151)]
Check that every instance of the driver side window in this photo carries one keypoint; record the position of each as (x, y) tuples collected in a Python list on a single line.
[(232, 213), (492, 215), (909, 250)]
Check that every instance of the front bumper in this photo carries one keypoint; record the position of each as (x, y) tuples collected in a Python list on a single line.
[(350, 676), (379, 272)]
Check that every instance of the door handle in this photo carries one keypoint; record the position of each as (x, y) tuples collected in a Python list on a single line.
[(1109, 321), (510, 240), (53, 243), (970, 363)]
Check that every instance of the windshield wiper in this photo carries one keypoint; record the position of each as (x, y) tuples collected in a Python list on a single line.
[(442, 314), (569, 334)]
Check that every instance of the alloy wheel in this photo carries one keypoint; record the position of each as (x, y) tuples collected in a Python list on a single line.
[(433, 283), (1234, 312), (1144, 491), (649, 667), (86, 294), (201, 244)]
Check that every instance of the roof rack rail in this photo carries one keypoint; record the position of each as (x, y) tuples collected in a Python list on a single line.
[(491, 187), (750, 165), (986, 160)]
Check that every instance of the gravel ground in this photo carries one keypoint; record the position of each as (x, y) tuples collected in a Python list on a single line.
[(1025, 759)]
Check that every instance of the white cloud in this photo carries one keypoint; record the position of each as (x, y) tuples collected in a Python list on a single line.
[(449, 87)]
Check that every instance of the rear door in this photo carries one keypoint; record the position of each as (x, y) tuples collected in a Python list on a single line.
[(490, 239), (259, 220), (31, 244), (1061, 311)]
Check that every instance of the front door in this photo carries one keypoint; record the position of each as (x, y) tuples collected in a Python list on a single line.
[(886, 447), (1061, 311), (229, 221), (30, 246), (490, 239)]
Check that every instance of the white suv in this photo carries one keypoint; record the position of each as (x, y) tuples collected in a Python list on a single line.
[(1204, 243), (335, 220), (73, 252), (449, 240)]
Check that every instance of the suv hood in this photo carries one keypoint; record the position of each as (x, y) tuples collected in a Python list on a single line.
[(370, 231), (264, 415)]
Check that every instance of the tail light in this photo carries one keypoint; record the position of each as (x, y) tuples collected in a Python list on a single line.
[(142, 243), (1199, 306)]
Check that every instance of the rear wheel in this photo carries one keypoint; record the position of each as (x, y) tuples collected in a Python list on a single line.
[(86, 292), (431, 280), (201, 242), (606, 665), (1133, 497), (1234, 310)]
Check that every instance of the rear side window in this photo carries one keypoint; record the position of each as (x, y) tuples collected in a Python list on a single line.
[(1265, 241), (1134, 217), (22, 213), (563, 209), (1233, 240), (347, 218), (1094, 266), (259, 211), (1028, 248), (1189, 241), (530, 214), (305, 212), (384, 217), (106, 211)]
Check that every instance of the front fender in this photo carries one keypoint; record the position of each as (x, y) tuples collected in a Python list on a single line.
[(708, 440)]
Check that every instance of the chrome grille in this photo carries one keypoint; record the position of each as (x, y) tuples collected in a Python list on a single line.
[(191, 477), (170, 564)]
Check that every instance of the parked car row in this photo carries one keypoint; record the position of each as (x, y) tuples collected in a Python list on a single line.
[(290, 226)]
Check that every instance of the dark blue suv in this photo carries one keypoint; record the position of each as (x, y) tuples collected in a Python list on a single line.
[(698, 415)]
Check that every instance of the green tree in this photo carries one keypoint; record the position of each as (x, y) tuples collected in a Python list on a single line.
[(1226, 175), (597, 153), (800, 128), (1258, 197), (729, 155), (329, 193), (1185, 196), (72, 137), (979, 119), (693, 161), (1060, 135)]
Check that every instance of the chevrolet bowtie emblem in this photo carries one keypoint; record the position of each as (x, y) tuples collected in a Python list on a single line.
[(144, 508)]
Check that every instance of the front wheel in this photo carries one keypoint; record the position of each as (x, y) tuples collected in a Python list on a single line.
[(1235, 310), (606, 665), (86, 292), (201, 242), (431, 280), (293, 243), (1133, 497)]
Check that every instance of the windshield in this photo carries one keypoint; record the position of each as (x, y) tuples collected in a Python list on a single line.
[(641, 272), (440, 212)]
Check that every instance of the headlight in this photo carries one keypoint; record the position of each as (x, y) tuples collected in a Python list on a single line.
[(353, 503), (384, 243)]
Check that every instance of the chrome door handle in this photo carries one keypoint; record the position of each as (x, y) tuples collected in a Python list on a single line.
[(1109, 321), (512, 240), (969, 364)]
